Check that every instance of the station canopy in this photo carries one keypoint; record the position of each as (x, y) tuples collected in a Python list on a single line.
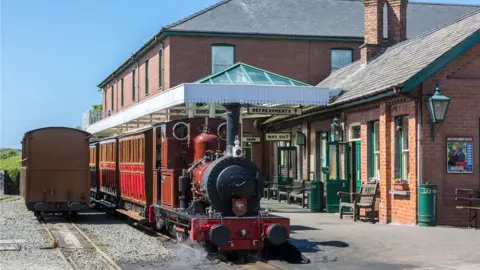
[(240, 83)]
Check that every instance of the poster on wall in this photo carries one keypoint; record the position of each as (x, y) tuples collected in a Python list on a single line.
[(459, 155)]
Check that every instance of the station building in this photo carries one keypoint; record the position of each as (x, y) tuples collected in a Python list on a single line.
[(379, 83)]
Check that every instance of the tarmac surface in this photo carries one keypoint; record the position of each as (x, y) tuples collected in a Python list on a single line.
[(332, 243)]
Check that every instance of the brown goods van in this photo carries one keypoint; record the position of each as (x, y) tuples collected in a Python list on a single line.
[(55, 174)]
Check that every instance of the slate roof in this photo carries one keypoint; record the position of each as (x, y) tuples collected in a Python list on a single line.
[(326, 18), (401, 62), (306, 18)]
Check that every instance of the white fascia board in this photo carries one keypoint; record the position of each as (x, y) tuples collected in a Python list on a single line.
[(164, 100), (256, 94), (217, 94)]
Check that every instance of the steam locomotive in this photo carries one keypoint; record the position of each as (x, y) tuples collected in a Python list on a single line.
[(187, 178)]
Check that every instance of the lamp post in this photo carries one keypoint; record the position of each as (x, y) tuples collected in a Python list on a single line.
[(437, 108)]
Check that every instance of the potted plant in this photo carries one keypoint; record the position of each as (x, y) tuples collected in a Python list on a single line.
[(400, 184)]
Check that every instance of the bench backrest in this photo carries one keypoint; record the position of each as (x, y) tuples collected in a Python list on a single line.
[(297, 186), (368, 189), (467, 194)]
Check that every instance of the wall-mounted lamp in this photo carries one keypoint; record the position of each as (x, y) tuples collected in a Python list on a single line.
[(336, 132), (437, 108)]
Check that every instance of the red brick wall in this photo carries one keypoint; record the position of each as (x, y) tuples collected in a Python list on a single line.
[(458, 80), (303, 60), (127, 75)]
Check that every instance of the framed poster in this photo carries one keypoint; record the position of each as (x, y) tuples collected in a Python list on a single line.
[(459, 155)]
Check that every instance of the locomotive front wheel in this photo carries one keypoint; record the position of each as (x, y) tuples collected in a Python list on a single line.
[(181, 236)]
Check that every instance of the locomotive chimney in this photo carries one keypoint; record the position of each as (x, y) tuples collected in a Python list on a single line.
[(233, 118)]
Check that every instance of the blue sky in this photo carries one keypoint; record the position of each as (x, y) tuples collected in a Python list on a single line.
[(55, 52)]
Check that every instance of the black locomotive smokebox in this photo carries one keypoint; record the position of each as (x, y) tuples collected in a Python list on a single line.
[(219, 235), (276, 234), (233, 181)]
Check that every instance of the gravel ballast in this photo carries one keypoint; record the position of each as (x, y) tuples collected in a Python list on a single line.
[(17, 223), (125, 244)]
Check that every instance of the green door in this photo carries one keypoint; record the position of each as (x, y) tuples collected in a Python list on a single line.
[(338, 174), (287, 165), (358, 163)]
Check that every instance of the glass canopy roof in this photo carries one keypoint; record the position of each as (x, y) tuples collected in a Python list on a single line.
[(241, 73)]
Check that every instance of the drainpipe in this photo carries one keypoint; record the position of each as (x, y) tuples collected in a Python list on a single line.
[(419, 143)]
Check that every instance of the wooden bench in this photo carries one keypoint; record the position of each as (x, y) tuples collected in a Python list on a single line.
[(270, 189), (471, 196), (364, 199), (300, 193), (286, 190)]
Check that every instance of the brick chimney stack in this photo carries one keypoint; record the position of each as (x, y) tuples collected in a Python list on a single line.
[(373, 29), (397, 21)]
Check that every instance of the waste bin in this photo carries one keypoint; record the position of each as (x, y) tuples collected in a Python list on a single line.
[(316, 196), (427, 205)]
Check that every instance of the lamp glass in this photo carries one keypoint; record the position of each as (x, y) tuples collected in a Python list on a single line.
[(438, 106)]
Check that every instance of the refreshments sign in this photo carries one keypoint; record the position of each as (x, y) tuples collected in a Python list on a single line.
[(275, 110)]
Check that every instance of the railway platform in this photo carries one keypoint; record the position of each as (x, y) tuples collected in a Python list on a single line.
[(334, 243)]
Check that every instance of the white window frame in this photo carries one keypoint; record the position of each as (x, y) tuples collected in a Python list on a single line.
[(224, 65), (376, 150), (333, 50), (350, 131), (405, 151)]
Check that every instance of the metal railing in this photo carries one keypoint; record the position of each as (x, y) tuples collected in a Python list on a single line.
[(90, 117)]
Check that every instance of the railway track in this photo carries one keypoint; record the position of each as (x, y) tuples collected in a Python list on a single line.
[(249, 262), (76, 248)]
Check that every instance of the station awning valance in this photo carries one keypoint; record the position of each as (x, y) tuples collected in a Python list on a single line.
[(189, 97)]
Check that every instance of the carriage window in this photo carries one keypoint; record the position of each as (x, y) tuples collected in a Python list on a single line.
[(143, 151), (135, 150), (140, 149), (129, 151)]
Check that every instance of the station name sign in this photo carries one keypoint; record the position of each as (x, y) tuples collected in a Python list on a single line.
[(275, 110), (277, 136), (251, 139)]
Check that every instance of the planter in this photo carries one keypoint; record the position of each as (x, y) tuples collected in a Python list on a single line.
[(400, 187)]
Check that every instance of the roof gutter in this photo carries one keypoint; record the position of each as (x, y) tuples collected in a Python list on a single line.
[(388, 93)]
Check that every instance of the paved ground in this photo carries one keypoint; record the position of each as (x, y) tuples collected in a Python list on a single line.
[(332, 243)]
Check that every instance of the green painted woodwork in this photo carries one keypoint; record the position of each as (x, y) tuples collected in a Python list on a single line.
[(316, 196), (287, 165), (440, 62), (358, 165), (338, 178)]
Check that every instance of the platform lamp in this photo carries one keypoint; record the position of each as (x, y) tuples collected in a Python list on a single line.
[(336, 132), (437, 108)]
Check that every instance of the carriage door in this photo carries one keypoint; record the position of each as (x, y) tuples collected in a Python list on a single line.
[(158, 134), (338, 175), (287, 165)]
